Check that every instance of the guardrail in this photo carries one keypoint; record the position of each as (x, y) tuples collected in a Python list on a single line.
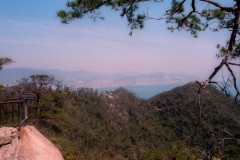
[(14, 111)]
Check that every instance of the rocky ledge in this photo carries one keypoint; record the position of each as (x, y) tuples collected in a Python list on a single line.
[(28, 143)]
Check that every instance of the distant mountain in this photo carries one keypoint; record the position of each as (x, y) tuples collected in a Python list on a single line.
[(11, 75), (83, 78)]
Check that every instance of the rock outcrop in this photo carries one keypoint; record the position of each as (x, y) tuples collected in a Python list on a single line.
[(28, 143), (7, 134)]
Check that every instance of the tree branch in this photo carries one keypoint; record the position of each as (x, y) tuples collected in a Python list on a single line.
[(214, 73), (234, 64), (227, 132), (199, 99), (190, 13), (235, 29), (231, 43), (130, 7), (222, 88), (169, 15), (93, 8), (221, 27), (223, 8), (234, 80)]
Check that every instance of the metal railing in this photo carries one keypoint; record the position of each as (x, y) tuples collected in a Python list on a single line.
[(14, 111)]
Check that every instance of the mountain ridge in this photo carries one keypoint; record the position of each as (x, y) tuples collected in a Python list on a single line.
[(118, 125), (91, 79)]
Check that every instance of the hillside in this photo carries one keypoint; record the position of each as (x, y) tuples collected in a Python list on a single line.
[(86, 124), (107, 126), (179, 113)]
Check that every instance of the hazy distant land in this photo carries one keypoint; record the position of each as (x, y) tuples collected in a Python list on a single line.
[(89, 79), (143, 85)]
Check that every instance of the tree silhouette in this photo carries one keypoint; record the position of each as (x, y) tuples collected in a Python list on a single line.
[(5, 61), (38, 84)]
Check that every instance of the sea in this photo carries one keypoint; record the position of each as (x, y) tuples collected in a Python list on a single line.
[(145, 91), (148, 91)]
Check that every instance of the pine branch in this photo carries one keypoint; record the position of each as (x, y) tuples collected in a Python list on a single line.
[(234, 80), (169, 15), (222, 88), (234, 64), (223, 8)]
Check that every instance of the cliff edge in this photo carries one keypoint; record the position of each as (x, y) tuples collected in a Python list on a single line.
[(28, 143)]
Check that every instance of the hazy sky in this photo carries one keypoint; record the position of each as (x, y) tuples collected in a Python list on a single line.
[(32, 34)]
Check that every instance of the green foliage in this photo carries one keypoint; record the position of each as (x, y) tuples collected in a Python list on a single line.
[(215, 152), (118, 124), (5, 61), (174, 151), (180, 115), (191, 16), (189, 20), (233, 152), (222, 50), (85, 124), (98, 126), (41, 80), (176, 7), (67, 152), (192, 24), (79, 8)]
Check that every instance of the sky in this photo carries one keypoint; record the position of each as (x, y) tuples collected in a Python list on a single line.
[(34, 37)]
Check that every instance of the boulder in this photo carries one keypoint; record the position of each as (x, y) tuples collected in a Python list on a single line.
[(29, 143), (7, 134)]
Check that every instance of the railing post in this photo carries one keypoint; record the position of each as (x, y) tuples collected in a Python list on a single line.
[(6, 113), (19, 115), (26, 111), (12, 111), (21, 110)]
